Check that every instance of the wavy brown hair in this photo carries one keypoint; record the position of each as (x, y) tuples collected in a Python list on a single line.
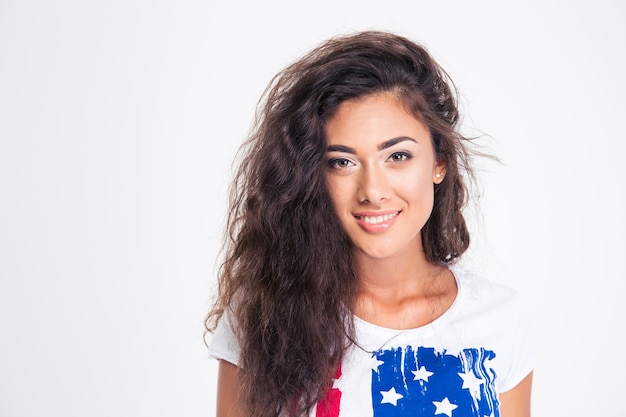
[(287, 277)]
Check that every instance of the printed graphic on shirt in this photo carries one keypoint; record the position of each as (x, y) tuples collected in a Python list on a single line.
[(427, 382), (329, 405)]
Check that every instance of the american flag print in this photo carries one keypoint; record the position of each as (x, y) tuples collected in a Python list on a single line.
[(427, 382), (329, 405)]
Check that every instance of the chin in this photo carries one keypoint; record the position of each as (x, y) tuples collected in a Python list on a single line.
[(374, 253)]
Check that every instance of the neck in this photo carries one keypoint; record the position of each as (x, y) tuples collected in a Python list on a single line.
[(403, 291), (399, 272)]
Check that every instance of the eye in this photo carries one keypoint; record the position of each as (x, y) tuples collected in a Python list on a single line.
[(340, 163), (399, 156)]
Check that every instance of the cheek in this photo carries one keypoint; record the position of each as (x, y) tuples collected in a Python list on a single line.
[(419, 193), (421, 196), (416, 184)]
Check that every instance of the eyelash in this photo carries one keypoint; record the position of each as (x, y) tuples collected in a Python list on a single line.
[(334, 163), (403, 155), (396, 157)]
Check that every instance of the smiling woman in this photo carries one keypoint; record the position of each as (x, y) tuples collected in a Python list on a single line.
[(339, 292), (382, 171)]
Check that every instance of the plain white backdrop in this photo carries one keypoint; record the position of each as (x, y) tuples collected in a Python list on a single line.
[(118, 124)]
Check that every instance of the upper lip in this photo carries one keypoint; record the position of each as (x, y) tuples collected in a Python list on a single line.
[(375, 213)]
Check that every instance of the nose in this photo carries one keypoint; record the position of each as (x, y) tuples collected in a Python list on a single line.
[(373, 185)]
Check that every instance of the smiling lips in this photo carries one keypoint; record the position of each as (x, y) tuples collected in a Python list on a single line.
[(376, 222)]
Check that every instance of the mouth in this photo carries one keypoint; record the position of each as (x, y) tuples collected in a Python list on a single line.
[(376, 222), (377, 218)]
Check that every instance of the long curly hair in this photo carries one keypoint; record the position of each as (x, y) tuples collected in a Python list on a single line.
[(287, 277)]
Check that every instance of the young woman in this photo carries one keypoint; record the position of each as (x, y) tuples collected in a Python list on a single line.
[(339, 294)]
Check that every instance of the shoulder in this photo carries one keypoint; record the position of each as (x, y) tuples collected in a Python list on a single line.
[(495, 315), (223, 343), (495, 311), (475, 289)]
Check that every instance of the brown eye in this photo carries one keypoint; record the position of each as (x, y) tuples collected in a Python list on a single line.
[(340, 163), (399, 156)]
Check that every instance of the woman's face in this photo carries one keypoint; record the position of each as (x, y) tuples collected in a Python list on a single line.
[(381, 174)]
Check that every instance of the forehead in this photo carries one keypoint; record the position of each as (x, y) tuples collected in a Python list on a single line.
[(378, 117)]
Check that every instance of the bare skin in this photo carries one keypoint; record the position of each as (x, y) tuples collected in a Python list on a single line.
[(409, 300), (406, 300), (381, 179), (516, 402), (382, 170), (399, 287), (227, 392)]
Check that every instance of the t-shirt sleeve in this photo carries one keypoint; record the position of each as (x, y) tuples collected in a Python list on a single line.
[(223, 344), (522, 358)]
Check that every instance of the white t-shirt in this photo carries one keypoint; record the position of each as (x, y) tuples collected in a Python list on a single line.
[(455, 366)]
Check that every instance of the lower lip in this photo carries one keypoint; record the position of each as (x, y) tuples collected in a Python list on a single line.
[(376, 227)]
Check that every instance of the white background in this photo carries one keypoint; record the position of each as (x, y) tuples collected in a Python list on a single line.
[(118, 123)]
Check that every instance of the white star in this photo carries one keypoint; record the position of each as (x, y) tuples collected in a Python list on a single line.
[(471, 383), (444, 407), (375, 363), (391, 397), (422, 374)]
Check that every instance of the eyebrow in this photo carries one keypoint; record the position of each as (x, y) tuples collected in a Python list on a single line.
[(386, 144), (389, 143)]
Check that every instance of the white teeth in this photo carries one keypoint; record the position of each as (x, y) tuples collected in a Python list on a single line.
[(378, 219)]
